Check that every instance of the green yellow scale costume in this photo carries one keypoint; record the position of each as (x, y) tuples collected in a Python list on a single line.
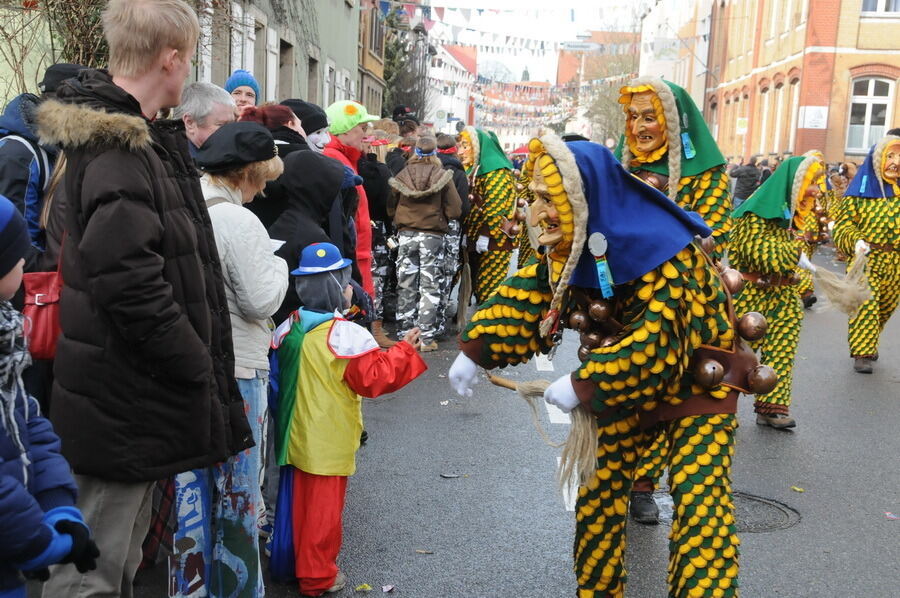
[(765, 248), (492, 214), (640, 383), (870, 211), (702, 187)]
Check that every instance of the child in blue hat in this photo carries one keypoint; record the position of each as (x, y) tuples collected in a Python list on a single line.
[(39, 523), (319, 415)]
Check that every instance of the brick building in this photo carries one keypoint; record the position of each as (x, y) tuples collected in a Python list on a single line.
[(787, 76)]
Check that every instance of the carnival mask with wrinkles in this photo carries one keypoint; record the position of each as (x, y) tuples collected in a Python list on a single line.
[(466, 151), (813, 183), (544, 213), (644, 130), (891, 162)]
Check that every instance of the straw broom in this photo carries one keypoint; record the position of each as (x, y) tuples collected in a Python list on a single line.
[(846, 293), (578, 461)]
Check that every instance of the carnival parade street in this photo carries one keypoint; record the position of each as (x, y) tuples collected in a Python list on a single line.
[(456, 496)]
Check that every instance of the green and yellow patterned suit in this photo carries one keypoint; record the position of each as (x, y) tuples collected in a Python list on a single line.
[(639, 386), (870, 211), (494, 199), (765, 247), (702, 187)]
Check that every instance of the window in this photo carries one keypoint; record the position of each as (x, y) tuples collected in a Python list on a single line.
[(881, 6), (869, 112), (376, 32)]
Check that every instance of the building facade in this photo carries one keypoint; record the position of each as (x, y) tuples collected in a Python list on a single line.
[(788, 76), (675, 43), (305, 49), (371, 58), (452, 74)]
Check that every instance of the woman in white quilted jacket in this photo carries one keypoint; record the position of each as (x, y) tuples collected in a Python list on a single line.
[(237, 160)]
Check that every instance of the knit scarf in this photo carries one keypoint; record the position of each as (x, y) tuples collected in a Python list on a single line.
[(14, 358)]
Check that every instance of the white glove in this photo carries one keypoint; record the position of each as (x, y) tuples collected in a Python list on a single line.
[(481, 245), (805, 263), (562, 394), (861, 247), (462, 375)]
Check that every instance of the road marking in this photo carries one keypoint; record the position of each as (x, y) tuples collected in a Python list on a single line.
[(543, 363), (557, 415), (569, 493)]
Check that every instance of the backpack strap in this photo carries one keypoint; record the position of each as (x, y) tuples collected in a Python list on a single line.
[(40, 155)]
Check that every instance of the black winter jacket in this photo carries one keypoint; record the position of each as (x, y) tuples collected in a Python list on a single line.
[(274, 199), (375, 181), (312, 184), (144, 367), (747, 180)]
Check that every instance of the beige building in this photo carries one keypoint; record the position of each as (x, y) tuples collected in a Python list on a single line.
[(788, 76)]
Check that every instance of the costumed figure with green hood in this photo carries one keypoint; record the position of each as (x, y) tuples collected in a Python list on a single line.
[(868, 222), (492, 230), (659, 354), (668, 145), (767, 247), (815, 232)]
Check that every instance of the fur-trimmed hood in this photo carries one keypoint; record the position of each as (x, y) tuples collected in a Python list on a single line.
[(92, 113), (420, 179)]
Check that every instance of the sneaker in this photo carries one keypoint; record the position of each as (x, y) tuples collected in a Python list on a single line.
[(643, 508), (779, 421), (809, 301), (863, 365), (265, 529), (428, 347), (363, 438), (339, 583)]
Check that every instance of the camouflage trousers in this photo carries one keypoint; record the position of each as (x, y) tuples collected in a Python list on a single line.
[(451, 267), (420, 271), (381, 262)]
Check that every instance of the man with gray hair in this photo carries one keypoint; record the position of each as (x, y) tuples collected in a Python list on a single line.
[(204, 108)]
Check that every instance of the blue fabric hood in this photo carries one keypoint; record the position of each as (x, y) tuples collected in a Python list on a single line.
[(642, 226), (867, 183), (17, 117)]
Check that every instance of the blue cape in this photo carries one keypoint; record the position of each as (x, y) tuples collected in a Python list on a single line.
[(866, 183), (642, 226)]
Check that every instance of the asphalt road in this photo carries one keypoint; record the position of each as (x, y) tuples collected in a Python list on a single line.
[(501, 529)]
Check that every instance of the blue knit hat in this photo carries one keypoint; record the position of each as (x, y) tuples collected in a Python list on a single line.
[(239, 78), (14, 240)]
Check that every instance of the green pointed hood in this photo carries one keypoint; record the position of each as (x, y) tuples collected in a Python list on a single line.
[(692, 149), (489, 155), (776, 199)]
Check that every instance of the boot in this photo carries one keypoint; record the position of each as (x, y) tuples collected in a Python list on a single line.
[(863, 365), (643, 508), (380, 337), (779, 421)]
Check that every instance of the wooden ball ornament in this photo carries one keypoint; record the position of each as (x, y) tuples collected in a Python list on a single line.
[(733, 280), (752, 326), (709, 373), (609, 341), (583, 353), (762, 379), (708, 245), (600, 310), (578, 320), (591, 340)]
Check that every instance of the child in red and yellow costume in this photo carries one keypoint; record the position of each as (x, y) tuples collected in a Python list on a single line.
[(325, 363)]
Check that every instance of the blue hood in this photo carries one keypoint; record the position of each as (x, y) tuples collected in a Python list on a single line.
[(867, 183), (18, 117), (642, 226)]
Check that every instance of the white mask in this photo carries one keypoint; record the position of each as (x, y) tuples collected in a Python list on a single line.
[(318, 140)]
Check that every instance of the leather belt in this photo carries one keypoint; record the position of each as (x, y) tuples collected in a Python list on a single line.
[(766, 281), (883, 246)]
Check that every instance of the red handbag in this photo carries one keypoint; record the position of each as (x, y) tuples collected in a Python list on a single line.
[(42, 291)]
